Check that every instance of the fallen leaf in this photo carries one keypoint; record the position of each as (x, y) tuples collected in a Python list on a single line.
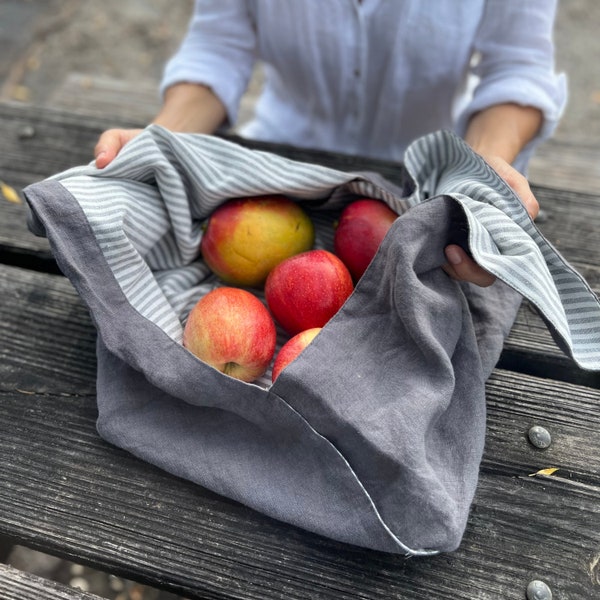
[(545, 472), (21, 93), (9, 193)]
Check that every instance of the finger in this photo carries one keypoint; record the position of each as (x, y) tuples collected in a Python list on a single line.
[(518, 182), (460, 266), (107, 148), (521, 187)]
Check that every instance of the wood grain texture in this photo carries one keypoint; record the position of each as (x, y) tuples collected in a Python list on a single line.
[(35, 143), (17, 585), (567, 164), (46, 334), (65, 491)]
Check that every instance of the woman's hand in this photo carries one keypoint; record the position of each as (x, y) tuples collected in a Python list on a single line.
[(110, 144), (498, 134), (187, 107), (460, 265), (517, 182)]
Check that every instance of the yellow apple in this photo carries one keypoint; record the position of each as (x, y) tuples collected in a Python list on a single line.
[(246, 237)]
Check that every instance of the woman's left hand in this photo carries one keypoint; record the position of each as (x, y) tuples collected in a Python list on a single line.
[(460, 265)]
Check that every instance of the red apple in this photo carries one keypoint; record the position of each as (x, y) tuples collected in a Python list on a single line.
[(246, 237), (361, 229), (291, 349), (231, 330), (306, 290)]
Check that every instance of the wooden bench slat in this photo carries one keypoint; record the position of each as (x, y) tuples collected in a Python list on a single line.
[(59, 140), (567, 164), (65, 491), (18, 585), (569, 412), (46, 334)]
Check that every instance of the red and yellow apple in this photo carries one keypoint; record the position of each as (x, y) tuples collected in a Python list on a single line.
[(306, 290), (291, 349), (231, 330), (362, 226), (245, 238)]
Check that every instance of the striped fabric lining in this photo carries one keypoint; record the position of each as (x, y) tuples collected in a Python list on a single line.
[(147, 207), (511, 248)]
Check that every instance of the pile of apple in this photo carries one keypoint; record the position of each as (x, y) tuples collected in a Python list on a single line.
[(267, 242)]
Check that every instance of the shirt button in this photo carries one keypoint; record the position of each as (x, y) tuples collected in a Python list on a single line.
[(356, 72)]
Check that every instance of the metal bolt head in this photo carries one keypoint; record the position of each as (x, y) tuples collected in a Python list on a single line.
[(26, 131), (539, 436), (538, 590)]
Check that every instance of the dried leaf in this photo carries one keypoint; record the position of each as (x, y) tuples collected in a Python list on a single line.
[(21, 93), (545, 472), (9, 193)]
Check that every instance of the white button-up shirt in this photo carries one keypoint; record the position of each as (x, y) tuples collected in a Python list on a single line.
[(368, 77)]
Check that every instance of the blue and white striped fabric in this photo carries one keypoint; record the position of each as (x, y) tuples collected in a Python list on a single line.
[(505, 241), (374, 435), (152, 245)]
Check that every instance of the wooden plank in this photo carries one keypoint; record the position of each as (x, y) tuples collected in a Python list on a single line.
[(65, 491), (45, 334), (569, 413), (570, 223), (35, 144), (567, 164), (17, 585), (103, 95)]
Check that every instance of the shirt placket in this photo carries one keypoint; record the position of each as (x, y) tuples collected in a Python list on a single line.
[(358, 74)]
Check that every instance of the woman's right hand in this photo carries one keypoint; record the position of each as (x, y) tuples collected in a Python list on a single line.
[(187, 107), (110, 144)]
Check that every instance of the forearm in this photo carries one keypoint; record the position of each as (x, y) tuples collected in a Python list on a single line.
[(191, 108), (503, 130)]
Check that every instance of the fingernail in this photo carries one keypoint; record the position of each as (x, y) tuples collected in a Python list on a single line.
[(101, 160), (453, 255)]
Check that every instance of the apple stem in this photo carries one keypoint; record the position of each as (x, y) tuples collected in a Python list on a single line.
[(229, 367)]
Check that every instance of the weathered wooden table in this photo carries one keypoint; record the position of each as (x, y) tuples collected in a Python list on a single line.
[(65, 491)]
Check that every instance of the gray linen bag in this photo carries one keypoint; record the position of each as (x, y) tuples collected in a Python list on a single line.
[(374, 435)]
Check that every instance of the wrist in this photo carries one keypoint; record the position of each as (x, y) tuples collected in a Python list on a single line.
[(503, 130)]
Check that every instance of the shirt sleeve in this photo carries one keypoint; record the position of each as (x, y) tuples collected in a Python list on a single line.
[(516, 64), (218, 51)]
